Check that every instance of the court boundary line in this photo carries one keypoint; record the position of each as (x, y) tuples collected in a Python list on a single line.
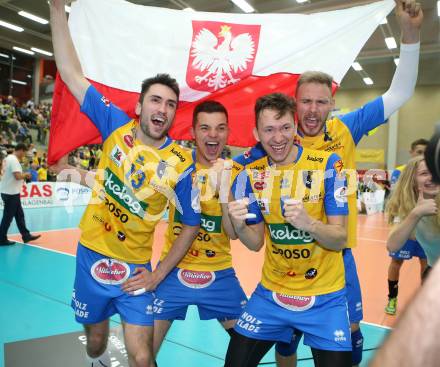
[(49, 230), (47, 249), (377, 325)]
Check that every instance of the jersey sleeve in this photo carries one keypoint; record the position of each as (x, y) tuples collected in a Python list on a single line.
[(364, 119), (241, 188), (187, 198), (335, 186), (105, 115)]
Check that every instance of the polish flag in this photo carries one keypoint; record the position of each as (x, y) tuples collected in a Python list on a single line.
[(232, 58)]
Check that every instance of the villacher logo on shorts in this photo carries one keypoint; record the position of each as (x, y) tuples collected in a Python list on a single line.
[(196, 279), (109, 271), (294, 303)]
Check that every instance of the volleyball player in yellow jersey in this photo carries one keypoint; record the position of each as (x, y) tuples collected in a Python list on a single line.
[(205, 276), (341, 135), (140, 170), (295, 197)]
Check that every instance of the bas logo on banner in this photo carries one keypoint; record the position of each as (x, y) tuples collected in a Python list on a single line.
[(221, 54)]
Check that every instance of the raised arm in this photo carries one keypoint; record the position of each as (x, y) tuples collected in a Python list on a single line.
[(66, 58), (409, 16)]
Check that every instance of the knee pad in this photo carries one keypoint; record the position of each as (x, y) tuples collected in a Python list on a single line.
[(288, 349), (357, 342)]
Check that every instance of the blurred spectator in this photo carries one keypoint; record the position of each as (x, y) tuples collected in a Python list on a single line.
[(33, 172), (42, 172), (10, 187)]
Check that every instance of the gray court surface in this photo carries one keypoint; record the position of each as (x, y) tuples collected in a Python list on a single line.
[(66, 350)]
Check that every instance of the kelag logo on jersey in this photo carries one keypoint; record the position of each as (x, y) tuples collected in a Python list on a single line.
[(123, 195), (211, 224), (286, 234)]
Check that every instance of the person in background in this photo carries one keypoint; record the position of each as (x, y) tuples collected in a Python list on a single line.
[(42, 172), (413, 211), (10, 188), (33, 172), (418, 147), (411, 248)]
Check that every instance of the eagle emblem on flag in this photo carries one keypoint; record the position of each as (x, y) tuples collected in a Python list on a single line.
[(221, 54)]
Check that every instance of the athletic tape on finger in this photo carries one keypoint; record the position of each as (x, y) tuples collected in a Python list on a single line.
[(139, 291)]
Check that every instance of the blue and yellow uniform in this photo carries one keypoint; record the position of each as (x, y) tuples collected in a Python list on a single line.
[(133, 186), (204, 277), (302, 282), (341, 136)]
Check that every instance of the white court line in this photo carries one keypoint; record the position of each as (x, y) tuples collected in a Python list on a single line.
[(377, 325), (49, 230), (45, 248)]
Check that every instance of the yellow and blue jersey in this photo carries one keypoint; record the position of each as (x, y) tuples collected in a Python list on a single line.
[(341, 136), (211, 250), (295, 263), (133, 186), (249, 156)]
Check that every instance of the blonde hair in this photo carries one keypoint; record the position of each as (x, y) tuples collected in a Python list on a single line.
[(405, 196), (315, 77)]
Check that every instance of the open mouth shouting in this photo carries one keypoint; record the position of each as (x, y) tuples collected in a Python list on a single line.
[(159, 120), (212, 148), (311, 123)]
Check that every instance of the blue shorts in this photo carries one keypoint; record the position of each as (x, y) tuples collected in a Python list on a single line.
[(97, 293), (353, 288), (410, 249), (218, 295), (323, 319)]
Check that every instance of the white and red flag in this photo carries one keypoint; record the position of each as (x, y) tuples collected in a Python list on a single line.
[(232, 58)]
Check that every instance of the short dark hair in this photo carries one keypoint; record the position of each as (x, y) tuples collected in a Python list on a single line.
[(21, 146), (208, 106), (164, 79), (419, 142), (280, 102)]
